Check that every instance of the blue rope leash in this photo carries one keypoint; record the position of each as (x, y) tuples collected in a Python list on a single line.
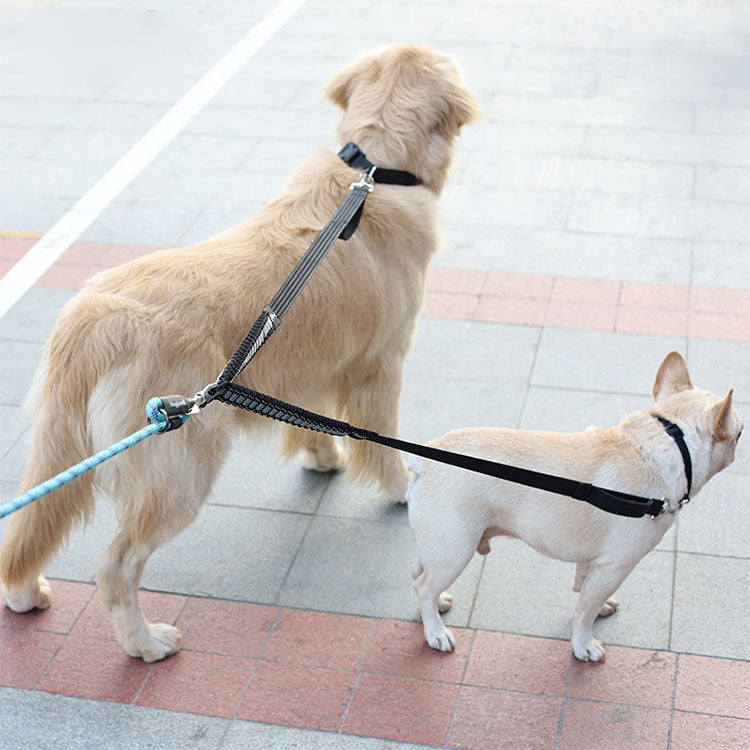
[(160, 422)]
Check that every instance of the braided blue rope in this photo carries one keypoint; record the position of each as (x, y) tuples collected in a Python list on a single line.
[(159, 423)]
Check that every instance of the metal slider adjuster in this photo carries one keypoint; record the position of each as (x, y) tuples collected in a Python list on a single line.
[(662, 510), (365, 180), (201, 398), (666, 509)]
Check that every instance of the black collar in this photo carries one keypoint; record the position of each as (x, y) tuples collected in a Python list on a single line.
[(353, 156), (677, 435)]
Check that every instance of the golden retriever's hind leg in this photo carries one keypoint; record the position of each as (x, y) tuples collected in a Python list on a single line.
[(27, 546), (158, 494), (374, 405), (119, 575), (35, 532)]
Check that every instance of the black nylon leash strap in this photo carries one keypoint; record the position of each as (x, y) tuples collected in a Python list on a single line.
[(611, 501)]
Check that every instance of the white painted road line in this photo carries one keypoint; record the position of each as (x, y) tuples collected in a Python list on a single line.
[(24, 274)]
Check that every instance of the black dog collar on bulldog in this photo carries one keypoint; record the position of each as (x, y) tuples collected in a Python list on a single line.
[(353, 156), (679, 437)]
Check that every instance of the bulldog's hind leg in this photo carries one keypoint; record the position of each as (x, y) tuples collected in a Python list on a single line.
[(582, 570), (443, 556), (600, 583)]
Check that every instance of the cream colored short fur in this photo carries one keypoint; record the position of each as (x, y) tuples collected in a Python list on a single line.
[(168, 322), (455, 512)]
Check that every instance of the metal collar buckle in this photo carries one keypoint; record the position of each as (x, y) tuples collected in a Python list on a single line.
[(365, 180)]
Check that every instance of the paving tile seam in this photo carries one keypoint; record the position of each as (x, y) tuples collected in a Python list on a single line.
[(675, 676), (712, 714), (566, 695), (693, 553), (146, 677), (353, 691), (469, 653), (673, 591), (254, 670), (648, 237), (49, 663)]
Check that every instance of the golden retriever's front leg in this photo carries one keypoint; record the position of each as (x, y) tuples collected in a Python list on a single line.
[(323, 454), (318, 451)]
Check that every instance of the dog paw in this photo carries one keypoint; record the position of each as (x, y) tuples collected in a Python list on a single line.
[(444, 602), (591, 651), (165, 640), (330, 457), (609, 608), (395, 488), (36, 596), (441, 641)]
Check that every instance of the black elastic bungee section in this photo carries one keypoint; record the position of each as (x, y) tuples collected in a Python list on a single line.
[(267, 406), (611, 501)]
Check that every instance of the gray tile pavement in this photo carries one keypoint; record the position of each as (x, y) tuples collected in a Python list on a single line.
[(17, 367), (719, 524), (32, 317), (63, 722), (247, 735), (710, 605), (601, 361)]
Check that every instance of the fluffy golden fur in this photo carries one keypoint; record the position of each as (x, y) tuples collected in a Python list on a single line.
[(168, 322), (454, 512)]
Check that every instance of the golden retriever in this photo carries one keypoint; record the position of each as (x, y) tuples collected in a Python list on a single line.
[(168, 322)]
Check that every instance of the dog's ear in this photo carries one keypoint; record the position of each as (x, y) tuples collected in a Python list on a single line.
[(673, 376), (340, 88), (721, 416), (460, 107)]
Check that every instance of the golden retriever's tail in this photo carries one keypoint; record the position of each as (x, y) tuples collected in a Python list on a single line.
[(74, 359)]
